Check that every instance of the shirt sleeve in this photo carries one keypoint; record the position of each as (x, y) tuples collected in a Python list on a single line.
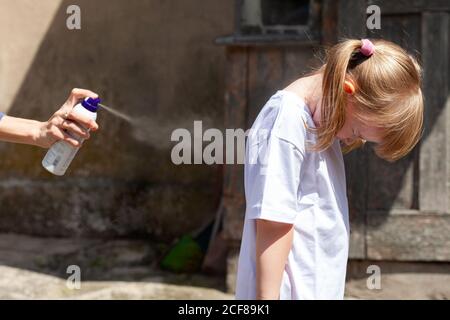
[(1, 115), (272, 180)]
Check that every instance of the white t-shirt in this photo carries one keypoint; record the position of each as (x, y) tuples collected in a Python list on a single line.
[(286, 182)]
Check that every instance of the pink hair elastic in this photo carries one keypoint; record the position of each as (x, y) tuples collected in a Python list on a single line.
[(367, 47)]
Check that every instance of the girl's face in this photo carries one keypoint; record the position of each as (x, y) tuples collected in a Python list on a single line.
[(354, 128)]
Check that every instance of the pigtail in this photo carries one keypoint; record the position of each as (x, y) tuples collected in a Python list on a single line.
[(334, 97), (387, 95)]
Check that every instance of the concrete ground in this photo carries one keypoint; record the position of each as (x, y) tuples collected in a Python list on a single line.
[(406, 286), (36, 268), (17, 283), (398, 280)]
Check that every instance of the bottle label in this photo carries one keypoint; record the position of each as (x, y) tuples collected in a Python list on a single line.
[(59, 157)]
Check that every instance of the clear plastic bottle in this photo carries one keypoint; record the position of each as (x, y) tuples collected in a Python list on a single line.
[(61, 154)]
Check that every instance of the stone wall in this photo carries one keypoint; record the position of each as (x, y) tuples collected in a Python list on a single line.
[(154, 60)]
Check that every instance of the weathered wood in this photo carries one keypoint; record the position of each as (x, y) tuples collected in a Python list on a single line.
[(391, 184), (394, 185), (408, 236), (410, 6), (434, 164), (265, 76), (272, 69), (352, 19), (329, 22), (298, 62), (301, 39), (235, 117), (357, 187), (404, 30), (315, 20)]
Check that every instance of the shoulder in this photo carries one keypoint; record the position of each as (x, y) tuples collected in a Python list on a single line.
[(283, 116), (288, 114)]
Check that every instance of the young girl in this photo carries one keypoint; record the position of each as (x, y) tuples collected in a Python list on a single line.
[(296, 231), (45, 134)]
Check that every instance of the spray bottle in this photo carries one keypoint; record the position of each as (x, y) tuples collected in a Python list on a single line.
[(61, 154)]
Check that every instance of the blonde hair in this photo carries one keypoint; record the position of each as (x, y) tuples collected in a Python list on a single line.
[(387, 96)]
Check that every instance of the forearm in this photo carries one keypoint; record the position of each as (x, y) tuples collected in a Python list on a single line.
[(273, 243), (18, 130)]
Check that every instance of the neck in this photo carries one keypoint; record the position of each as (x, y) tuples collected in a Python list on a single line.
[(310, 90)]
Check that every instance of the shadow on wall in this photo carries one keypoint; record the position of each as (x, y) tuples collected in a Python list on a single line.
[(155, 61)]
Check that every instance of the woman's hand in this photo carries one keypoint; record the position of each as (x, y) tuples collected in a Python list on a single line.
[(63, 124)]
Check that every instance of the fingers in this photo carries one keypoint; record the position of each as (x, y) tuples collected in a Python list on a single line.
[(83, 121), (65, 111), (78, 94), (59, 134), (72, 141), (75, 128), (75, 96)]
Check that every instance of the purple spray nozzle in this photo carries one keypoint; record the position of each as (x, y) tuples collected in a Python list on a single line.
[(91, 104)]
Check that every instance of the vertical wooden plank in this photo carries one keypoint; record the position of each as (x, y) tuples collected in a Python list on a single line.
[(356, 178), (434, 164), (329, 22), (352, 18), (392, 184), (273, 68), (233, 181), (298, 62), (235, 117), (265, 76)]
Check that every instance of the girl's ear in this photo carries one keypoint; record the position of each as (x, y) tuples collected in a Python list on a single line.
[(349, 87)]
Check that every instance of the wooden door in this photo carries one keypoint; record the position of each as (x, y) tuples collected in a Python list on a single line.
[(401, 211)]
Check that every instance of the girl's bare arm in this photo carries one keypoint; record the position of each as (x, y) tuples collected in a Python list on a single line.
[(273, 243)]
